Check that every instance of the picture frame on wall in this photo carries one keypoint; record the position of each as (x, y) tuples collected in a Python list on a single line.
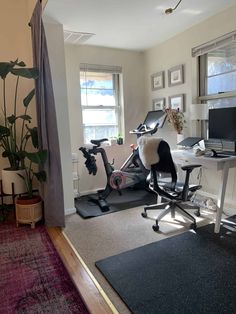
[(158, 80), (158, 104), (176, 75), (176, 102)]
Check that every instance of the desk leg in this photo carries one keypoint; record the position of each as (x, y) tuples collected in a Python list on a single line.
[(221, 196)]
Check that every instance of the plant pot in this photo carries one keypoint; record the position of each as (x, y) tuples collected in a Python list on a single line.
[(180, 138), (28, 210), (11, 176), (120, 141)]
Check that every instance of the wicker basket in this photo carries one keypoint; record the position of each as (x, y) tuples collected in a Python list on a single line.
[(28, 213)]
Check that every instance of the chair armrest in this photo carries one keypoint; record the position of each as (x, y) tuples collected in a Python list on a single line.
[(190, 167)]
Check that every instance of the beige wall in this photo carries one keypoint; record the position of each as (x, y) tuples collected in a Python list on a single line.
[(134, 102), (15, 38), (178, 51)]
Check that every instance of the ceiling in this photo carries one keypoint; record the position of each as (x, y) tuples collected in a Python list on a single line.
[(131, 24)]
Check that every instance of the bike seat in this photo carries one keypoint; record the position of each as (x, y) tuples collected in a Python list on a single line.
[(98, 142)]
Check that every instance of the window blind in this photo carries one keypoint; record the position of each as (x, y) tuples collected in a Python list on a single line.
[(214, 44), (100, 68)]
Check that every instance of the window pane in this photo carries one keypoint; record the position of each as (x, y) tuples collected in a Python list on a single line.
[(98, 132), (96, 80), (97, 89), (224, 102), (99, 117), (222, 60), (222, 83), (97, 97)]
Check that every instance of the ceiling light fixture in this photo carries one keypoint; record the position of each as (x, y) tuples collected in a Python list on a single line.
[(170, 10)]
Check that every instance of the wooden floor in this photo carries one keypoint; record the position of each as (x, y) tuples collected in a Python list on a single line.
[(94, 297)]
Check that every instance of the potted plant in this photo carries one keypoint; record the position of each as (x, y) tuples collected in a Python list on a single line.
[(29, 205), (176, 118), (14, 133)]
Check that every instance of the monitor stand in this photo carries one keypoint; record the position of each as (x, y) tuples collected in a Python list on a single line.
[(229, 153)]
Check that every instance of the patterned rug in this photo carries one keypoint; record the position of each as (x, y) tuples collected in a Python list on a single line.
[(33, 279)]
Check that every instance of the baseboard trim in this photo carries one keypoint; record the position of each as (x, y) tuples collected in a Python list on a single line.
[(228, 203), (90, 192), (70, 211)]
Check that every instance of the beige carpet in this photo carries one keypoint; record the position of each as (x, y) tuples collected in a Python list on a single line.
[(111, 234)]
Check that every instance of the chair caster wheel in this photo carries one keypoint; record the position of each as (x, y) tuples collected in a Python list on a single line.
[(144, 214), (197, 213), (193, 226), (155, 228)]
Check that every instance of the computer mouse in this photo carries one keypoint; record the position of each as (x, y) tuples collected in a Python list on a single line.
[(213, 153)]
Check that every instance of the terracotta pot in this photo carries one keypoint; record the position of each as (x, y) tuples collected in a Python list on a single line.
[(25, 200), (28, 210), (12, 176)]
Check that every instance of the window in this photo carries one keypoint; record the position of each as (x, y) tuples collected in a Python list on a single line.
[(100, 88), (217, 71), (217, 78)]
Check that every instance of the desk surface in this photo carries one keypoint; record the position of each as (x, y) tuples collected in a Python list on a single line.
[(186, 156)]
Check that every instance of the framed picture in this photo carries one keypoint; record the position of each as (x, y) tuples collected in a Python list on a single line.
[(158, 80), (176, 75), (158, 104), (177, 102)]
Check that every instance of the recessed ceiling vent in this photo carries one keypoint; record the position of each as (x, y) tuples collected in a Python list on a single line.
[(76, 38)]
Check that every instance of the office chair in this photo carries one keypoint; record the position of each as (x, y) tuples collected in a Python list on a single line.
[(175, 196)]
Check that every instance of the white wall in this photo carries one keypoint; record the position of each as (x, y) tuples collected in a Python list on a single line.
[(178, 51), (134, 102), (55, 42)]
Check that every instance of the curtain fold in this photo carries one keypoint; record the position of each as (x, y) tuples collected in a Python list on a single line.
[(52, 189)]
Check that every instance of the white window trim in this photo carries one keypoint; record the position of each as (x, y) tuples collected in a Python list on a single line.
[(214, 44)]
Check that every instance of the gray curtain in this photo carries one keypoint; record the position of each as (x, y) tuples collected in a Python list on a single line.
[(52, 189)]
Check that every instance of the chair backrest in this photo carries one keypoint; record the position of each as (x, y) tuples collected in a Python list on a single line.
[(165, 165), (155, 155)]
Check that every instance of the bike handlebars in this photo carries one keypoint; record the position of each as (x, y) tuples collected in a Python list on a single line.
[(90, 162), (143, 129)]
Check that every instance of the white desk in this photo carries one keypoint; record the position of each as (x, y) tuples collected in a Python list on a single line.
[(183, 157)]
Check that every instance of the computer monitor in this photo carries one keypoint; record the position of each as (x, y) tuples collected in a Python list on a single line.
[(222, 123), (155, 118)]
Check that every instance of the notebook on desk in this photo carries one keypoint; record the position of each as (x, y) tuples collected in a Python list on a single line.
[(190, 141)]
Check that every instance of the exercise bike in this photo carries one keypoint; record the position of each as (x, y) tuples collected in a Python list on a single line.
[(132, 173)]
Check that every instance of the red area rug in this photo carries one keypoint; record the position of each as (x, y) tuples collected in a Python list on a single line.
[(33, 279)]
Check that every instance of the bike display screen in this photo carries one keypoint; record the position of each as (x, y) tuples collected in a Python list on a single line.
[(155, 119)]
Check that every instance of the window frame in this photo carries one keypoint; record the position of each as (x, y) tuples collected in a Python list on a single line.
[(203, 77), (117, 85)]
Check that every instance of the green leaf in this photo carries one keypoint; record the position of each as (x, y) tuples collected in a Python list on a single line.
[(34, 136), (41, 176), (25, 117), (37, 157), (28, 98), (5, 68), (21, 64), (12, 119), (26, 72), (4, 131)]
